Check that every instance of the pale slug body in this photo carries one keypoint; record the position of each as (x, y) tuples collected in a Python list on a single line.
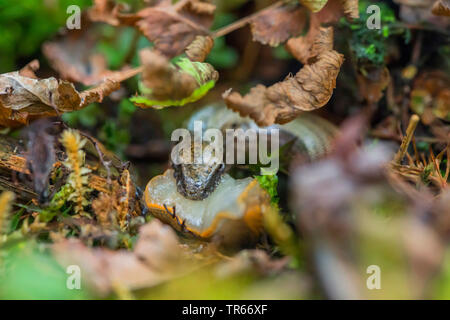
[(311, 136)]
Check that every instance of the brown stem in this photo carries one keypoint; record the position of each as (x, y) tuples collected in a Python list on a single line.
[(125, 75), (417, 49), (179, 5), (413, 121), (244, 21)]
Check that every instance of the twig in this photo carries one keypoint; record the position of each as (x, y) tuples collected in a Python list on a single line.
[(125, 75), (436, 163), (179, 5), (244, 21), (413, 121)]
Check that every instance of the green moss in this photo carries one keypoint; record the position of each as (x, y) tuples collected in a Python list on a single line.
[(269, 183), (57, 203), (370, 45)]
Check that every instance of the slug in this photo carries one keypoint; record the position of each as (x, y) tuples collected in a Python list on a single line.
[(310, 134)]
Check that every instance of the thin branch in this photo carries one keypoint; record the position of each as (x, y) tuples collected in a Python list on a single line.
[(244, 21), (125, 75), (413, 121)]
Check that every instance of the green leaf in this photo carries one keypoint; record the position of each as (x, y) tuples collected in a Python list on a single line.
[(196, 95), (16, 219), (314, 5), (200, 71)]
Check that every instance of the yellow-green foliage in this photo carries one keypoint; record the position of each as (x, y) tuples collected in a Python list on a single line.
[(6, 199), (281, 233), (78, 178)]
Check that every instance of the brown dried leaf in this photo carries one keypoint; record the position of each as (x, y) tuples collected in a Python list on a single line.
[(30, 69), (309, 89), (97, 94), (308, 47), (164, 80), (199, 49), (350, 8), (170, 26), (28, 98), (276, 25), (23, 99), (335, 9), (73, 55), (441, 8), (107, 11), (158, 247), (156, 258), (372, 84), (200, 7)]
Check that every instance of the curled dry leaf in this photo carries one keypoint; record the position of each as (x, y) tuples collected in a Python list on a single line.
[(372, 84), (441, 8), (350, 8), (335, 9), (199, 49), (277, 24), (165, 84), (23, 98), (107, 11), (308, 47), (170, 26), (97, 94), (201, 7), (309, 89)]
